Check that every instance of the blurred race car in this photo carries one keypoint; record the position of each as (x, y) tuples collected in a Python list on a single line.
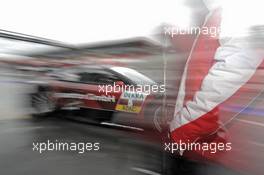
[(99, 92)]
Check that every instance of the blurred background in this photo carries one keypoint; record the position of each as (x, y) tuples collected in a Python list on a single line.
[(44, 44)]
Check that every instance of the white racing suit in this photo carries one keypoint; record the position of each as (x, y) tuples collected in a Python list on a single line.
[(219, 71)]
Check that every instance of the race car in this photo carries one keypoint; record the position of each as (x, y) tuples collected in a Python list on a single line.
[(106, 90)]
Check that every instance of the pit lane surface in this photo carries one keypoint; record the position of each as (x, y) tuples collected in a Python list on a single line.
[(121, 152)]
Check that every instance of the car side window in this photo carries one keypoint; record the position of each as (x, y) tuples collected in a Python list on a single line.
[(86, 77), (97, 78), (106, 79)]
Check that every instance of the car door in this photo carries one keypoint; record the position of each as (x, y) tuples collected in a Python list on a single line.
[(99, 90)]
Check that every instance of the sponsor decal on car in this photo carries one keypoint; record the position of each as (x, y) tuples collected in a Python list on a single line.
[(131, 102), (89, 96)]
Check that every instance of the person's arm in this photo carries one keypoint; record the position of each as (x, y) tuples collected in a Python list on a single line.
[(236, 63)]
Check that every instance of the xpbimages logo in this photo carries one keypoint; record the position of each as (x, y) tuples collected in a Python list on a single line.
[(80, 147), (209, 31), (146, 89), (192, 146)]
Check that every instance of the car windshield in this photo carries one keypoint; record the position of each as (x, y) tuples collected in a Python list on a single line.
[(133, 75)]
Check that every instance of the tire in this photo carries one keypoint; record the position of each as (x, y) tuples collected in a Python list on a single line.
[(150, 117), (41, 103)]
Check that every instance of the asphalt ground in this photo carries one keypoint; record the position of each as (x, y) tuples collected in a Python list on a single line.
[(121, 151)]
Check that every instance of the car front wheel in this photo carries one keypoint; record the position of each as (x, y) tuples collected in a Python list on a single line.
[(41, 103)]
